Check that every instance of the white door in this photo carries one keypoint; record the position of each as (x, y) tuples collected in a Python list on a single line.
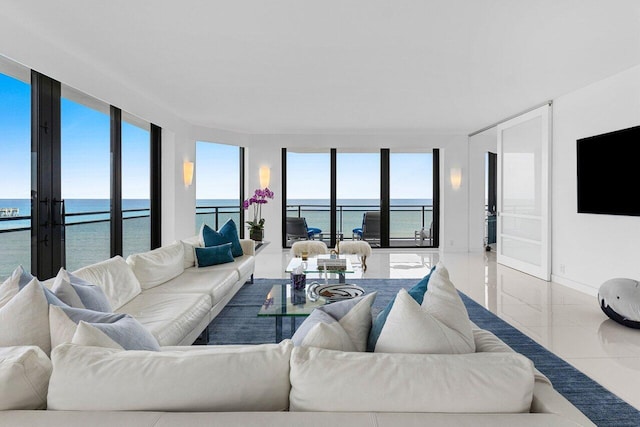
[(523, 229)]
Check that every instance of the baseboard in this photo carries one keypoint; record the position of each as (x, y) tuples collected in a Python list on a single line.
[(586, 289)]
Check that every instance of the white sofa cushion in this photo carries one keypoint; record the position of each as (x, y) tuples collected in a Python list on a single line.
[(155, 267), (169, 317), (244, 265), (342, 325), (24, 320), (116, 279), (24, 378), (216, 283), (439, 325), (327, 380), (215, 378)]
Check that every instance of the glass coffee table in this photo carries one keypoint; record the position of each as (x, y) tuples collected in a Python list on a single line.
[(311, 266), (283, 301)]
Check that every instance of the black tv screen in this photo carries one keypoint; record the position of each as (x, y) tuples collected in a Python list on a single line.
[(609, 173)]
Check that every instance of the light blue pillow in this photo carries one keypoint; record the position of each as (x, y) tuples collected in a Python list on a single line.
[(355, 328), (228, 233), (213, 255), (121, 328), (26, 277), (417, 293), (79, 293)]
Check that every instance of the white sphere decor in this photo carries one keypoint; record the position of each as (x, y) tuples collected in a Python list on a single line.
[(620, 300)]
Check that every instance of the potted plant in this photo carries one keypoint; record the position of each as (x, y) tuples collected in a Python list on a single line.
[(259, 198)]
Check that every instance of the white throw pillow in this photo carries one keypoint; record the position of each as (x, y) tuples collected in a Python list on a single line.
[(189, 246), (215, 378), (440, 325), (116, 279), (24, 378), (24, 319), (160, 265), (336, 381), (443, 302), (10, 287), (342, 325), (331, 336)]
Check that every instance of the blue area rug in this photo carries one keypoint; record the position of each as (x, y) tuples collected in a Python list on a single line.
[(238, 324)]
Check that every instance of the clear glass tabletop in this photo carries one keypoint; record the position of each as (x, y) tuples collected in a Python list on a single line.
[(284, 301)]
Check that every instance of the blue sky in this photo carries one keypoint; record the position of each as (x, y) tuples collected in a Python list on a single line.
[(85, 149)]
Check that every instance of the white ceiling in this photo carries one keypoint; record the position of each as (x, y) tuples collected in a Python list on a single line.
[(287, 66)]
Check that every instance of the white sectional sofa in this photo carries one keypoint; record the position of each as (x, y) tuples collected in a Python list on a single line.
[(277, 384), (166, 292), (261, 385)]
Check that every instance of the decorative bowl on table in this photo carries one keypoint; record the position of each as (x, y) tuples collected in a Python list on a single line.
[(333, 293)]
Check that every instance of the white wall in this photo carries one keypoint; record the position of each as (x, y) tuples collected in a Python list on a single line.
[(589, 249), (479, 145)]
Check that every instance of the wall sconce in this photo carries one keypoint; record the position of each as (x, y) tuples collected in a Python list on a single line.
[(265, 176), (187, 173), (456, 178)]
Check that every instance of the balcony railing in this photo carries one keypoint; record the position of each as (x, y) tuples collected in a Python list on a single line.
[(405, 219), (87, 238)]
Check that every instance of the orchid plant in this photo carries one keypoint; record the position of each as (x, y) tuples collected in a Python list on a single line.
[(258, 199)]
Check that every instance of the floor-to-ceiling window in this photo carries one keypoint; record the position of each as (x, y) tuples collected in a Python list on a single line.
[(15, 166), (389, 199), (136, 186), (308, 193), (57, 198), (411, 199), (85, 172), (217, 181), (358, 193)]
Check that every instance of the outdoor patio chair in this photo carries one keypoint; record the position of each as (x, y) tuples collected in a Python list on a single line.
[(370, 229), (297, 229)]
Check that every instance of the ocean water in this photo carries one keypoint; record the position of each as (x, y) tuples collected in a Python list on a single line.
[(87, 237)]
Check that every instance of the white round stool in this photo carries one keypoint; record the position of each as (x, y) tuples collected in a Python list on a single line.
[(355, 247)]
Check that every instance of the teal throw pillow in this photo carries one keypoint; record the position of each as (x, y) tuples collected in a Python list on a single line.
[(213, 255), (228, 233), (417, 293)]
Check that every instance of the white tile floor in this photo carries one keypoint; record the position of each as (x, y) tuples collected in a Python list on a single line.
[(567, 322)]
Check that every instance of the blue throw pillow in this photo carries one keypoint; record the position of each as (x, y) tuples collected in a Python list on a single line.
[(228, 233), (417, 293), (213, 255)]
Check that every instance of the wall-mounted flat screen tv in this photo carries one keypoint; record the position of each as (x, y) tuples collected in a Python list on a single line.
[(609, 173)]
